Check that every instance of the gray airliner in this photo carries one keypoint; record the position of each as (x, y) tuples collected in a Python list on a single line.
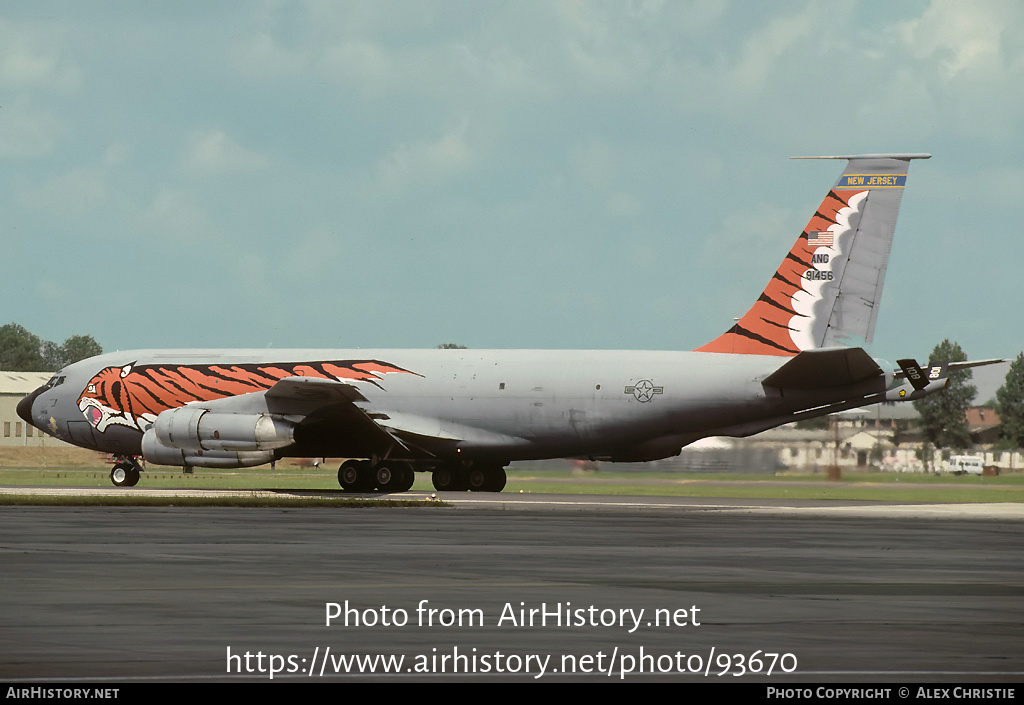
[(463, 415)]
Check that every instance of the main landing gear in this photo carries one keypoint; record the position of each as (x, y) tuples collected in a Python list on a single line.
[(388, 476), (126, 471), (450, 477), (398, 476)]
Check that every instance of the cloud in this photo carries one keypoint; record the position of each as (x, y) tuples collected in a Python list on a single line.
[(381, 51), (599, 166), (174, 216), (215, 152), (759, 233), (261, 56), (32, 56), (74, 191), (764, 48), (624, 204), (28, 132), (318, 253), (965, 38), (963, 57), (426, 161)]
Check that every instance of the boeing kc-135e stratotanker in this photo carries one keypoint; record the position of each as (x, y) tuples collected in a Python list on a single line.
[(463, 415)]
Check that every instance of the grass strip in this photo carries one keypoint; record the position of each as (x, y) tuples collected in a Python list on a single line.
[(861, 486), (270, 501)]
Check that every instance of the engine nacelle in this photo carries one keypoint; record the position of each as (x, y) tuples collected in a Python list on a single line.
[(157, 453), (193, 428)]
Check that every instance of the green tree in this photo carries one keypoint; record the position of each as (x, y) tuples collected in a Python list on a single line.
[(1010, 403), (75, 348), (944, 415), (20, 351), (451, 346)]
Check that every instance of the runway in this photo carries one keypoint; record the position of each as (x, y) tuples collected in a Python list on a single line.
[(524, 587), (1005, 511)]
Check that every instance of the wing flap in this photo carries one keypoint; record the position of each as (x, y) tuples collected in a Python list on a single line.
[(330, 408)]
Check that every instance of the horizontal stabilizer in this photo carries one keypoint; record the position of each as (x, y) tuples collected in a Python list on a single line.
[(828, 367), (919, 377), (904, 157), (925, 381), (954, 366)]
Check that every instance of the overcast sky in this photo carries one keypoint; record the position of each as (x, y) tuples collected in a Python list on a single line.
[(550, 174)]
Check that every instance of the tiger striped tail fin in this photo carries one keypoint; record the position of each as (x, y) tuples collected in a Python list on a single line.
[(828, 288)]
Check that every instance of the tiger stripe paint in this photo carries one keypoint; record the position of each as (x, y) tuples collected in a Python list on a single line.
[(805, 305), (134, 395), (768, 327)]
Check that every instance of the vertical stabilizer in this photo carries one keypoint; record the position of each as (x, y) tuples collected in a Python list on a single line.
[(828, 288)]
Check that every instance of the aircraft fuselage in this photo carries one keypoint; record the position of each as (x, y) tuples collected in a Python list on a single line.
[(503, 404), (464, 414)]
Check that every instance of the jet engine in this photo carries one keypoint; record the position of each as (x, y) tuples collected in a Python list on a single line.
[(191, 428), (198, 437)]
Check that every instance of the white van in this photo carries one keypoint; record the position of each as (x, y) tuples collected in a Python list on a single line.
[(961, 464)]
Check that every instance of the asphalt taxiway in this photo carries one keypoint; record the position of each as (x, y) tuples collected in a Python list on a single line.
[(521, 587)]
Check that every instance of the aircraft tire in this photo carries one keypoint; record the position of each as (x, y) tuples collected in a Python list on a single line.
[(441, 478), (447, 478), (348, 475), (408, 477), (394, 477), (124, 475), (496, 481), (356, 476), (477, 479), (487, 479)]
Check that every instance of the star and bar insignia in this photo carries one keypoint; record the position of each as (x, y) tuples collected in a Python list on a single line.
[(644, 390)]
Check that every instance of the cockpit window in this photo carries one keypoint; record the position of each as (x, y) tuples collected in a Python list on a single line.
[(55, 381)]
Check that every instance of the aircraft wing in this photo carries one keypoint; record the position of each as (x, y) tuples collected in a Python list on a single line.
[(329, 412), (303, 391)]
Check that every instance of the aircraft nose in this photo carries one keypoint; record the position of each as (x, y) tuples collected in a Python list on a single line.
[(25, 406)]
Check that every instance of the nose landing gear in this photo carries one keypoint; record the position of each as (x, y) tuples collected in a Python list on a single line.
[(126, 471)]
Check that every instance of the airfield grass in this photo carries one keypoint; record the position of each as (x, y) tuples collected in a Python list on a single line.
[(24, 470), (27, 498)]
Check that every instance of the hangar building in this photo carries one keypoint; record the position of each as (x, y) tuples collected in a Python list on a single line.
[(15, 386)]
